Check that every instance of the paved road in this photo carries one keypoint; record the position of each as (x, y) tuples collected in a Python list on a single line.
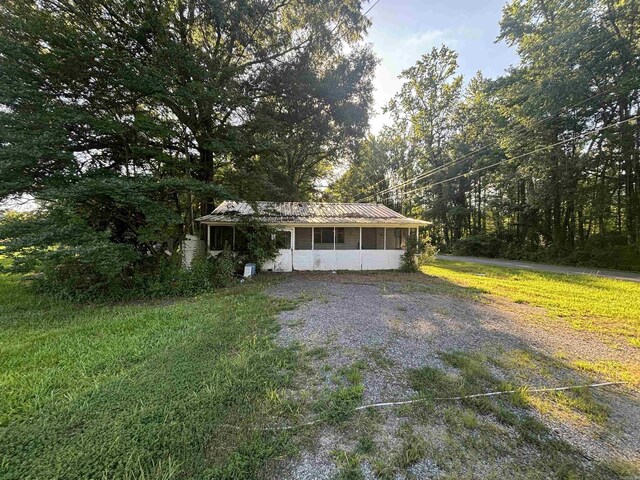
[(617, 274)]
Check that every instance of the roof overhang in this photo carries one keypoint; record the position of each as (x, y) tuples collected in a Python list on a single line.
[(370, 223)]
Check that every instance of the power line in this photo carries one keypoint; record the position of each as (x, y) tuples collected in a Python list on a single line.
[(264, 14), (523, 128), (563, 142), (255, 30), (404, 168), (351, 28)]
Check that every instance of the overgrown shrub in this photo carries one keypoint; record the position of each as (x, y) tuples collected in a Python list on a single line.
[(623, 257), (170, 279), (260, 240), (427, 252), (68, 259), (417, 253), (84, 272), (600, 251), (225, 265), (408, 258)]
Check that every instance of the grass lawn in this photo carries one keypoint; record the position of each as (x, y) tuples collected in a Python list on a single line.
[(585, 302), (183, 388), (140, 390), (605, 306)]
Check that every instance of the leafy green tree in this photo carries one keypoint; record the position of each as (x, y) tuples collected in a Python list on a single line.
[(541, 163), (130, 119)]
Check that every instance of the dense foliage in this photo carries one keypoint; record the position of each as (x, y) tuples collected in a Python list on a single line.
[(541, 163), (259, 239), (408, 262), (128, 120)]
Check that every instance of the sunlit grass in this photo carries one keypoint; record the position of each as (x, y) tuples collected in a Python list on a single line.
[(618, 371), (584, 302)]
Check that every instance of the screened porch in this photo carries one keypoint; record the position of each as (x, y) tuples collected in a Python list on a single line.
[(325, 247)]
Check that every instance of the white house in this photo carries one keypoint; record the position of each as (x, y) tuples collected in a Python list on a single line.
[(319, 236)]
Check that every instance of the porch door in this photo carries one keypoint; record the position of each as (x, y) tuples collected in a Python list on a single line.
[(284, 260)]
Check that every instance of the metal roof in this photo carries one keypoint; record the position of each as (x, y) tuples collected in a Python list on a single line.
[(303, 212)]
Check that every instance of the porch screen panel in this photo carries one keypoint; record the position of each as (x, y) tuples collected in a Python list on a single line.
[(323, 238), (303, 238), (373, 238), (221, 236), (396, 238), (348, 238)]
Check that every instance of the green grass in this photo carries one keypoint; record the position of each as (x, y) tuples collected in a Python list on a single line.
[(158, 389), (336, 406), (585, 302)]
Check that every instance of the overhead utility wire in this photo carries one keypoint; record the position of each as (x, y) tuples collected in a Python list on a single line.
[(523, 128), (350, 28), (264, 14), (621, 122)]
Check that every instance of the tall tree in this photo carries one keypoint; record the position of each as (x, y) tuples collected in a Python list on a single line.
[(132, 116), (542, 162), (425, 106)]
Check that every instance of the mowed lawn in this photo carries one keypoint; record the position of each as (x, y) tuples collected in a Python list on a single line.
[(586, 302), (149, 390), (607, 307)]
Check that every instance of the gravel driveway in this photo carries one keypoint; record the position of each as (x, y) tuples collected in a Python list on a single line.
[(395, 325)]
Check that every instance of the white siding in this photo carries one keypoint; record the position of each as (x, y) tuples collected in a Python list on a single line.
[(324, 260), (303, 260)]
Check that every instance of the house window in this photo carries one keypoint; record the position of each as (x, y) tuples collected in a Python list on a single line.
[(221, 237), (323, 238), (303, 238), (373, 238)]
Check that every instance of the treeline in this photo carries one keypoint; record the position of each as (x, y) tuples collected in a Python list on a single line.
[(542, 163), (126, 121)]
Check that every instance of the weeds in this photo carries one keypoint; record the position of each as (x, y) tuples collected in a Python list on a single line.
[(511, 412)]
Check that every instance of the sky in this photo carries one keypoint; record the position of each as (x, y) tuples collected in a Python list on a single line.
[(402, 30)]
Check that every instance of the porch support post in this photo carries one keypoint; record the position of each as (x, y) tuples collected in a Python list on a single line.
[(385, 238), (360, 248), (208, 237), (233, 239), (313, 236), (334, 238)]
